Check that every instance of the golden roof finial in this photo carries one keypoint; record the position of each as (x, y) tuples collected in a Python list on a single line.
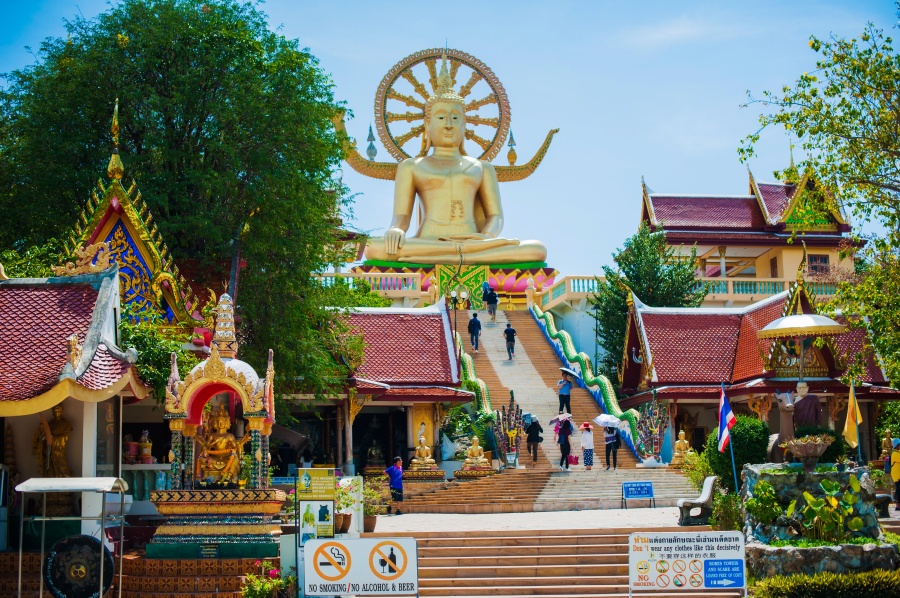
[(224, 339), (801, 270), (115, 169)]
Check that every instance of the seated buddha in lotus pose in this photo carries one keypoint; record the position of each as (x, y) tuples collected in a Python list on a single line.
[(423, 459), (475, 456), (220, 459), (682, 447), (461, 216)]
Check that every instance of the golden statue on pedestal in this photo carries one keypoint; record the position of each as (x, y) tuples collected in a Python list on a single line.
[(475, 458), (423, 459), (886, 445), (55, 436), (461, 216), (220, 451), (682, 447)]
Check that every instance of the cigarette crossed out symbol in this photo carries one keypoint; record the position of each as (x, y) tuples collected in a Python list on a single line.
[(332, 561)]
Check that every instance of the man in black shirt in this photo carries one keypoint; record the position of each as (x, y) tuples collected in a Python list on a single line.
[(510, 334), (474, 331)]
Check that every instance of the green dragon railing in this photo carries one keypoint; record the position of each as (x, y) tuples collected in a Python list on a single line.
[(599, 386), (470, 381)]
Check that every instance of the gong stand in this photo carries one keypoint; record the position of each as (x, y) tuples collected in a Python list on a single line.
[(44, 486)]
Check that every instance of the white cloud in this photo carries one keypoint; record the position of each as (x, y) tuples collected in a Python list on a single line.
[(678, 31)]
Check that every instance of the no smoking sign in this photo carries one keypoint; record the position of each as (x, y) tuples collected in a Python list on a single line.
[(362, 567)]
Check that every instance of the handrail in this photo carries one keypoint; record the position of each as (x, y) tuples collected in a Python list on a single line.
[(598, 385), (470, 379)]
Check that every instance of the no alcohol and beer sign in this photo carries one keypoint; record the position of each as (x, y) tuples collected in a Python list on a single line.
[(363, 567), (688, 561)]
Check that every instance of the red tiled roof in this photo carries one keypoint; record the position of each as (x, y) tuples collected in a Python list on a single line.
[(692, 347), (748, 362), (431, 393), (104, 370), (776, 198), (404, 348), (851, 343), (35, 321), (752, 238), (708, 212)]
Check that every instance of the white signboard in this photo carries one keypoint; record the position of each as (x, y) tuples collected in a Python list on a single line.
[(685, 561), (362, 567)]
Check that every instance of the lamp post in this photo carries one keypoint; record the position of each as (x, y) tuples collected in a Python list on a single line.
[(457, 297)]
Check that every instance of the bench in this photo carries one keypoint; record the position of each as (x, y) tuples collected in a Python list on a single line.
[(883, 503), (704, 502)]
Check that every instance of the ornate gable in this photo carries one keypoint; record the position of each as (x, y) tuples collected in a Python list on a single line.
[(148, 276), (802, 213)]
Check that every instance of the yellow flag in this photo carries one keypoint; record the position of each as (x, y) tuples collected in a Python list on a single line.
[(854, 418)]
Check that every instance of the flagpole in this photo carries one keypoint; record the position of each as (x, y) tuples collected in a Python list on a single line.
[(737, 489), (856, 421)]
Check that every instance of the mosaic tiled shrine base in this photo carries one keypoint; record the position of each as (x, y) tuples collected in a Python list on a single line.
[(216, 524)]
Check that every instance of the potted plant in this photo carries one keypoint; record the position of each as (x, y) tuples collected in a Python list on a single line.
[(808, 449), (344, 503), (267, 582), (376, 497), (840, 462)]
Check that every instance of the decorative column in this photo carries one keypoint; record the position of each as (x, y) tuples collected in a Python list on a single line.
[(722, 250), (256, 425), (190, 433), (176, 425), (266, 455)]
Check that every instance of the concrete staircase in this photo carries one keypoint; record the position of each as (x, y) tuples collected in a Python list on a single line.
[(528, 563)]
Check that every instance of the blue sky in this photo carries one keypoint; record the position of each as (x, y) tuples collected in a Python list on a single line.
[(644, 88)]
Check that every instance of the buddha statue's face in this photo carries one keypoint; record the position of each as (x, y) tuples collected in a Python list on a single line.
[(475, 441), (57, 411), (422, 440), (447, 124), (681, 435), (222, 424)]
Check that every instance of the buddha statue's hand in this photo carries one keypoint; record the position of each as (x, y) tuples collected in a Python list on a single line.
[(394, 238)]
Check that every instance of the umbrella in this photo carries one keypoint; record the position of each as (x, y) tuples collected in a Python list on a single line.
[(570, 372), (607, 421), (560, 417)]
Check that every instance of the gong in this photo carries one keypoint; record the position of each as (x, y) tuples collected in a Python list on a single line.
[(72, 568)]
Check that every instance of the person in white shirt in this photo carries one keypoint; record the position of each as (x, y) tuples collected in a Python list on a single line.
[(587, 445)]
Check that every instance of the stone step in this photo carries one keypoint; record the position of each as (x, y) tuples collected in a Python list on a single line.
[(563, 551), (532, 541), (545, 557), (558, 582), (503, 572)]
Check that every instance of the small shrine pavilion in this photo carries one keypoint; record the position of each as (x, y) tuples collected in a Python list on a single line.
[(59, 352)]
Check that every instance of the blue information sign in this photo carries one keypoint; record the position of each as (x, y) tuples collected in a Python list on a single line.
[(723, 573), (639, 491)]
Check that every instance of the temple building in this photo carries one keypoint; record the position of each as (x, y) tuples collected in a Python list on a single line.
[(408, 379), (749, 246), (683, 358)]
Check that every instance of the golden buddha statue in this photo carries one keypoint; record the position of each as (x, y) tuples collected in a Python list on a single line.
[(682, 447), (423, 459), (886, 445), (475, 456), (461, 216), (220, 451), (53, 435)]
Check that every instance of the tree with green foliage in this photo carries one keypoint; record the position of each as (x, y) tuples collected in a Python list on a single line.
[(750, 441), (845, 115), (227, 128), (657, 275), (144, 333), (32, 262)]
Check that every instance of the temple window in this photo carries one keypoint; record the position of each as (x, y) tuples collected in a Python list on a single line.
[(818, 264)]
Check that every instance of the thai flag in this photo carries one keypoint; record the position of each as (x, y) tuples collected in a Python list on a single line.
[(726, 421)]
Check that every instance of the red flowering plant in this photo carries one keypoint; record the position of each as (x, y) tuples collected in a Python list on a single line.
[(267, 582)]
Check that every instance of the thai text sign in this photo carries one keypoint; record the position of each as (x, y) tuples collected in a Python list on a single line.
[(671, 562), (315, 484), (362, 567), (637, 490)]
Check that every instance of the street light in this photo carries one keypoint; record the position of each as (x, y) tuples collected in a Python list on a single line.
[(457, 297)]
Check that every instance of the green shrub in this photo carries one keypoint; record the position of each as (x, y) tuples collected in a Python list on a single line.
[(750, 438), (870, 584), (696, 467), (838, 447), (764, 504), (726, 515)]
